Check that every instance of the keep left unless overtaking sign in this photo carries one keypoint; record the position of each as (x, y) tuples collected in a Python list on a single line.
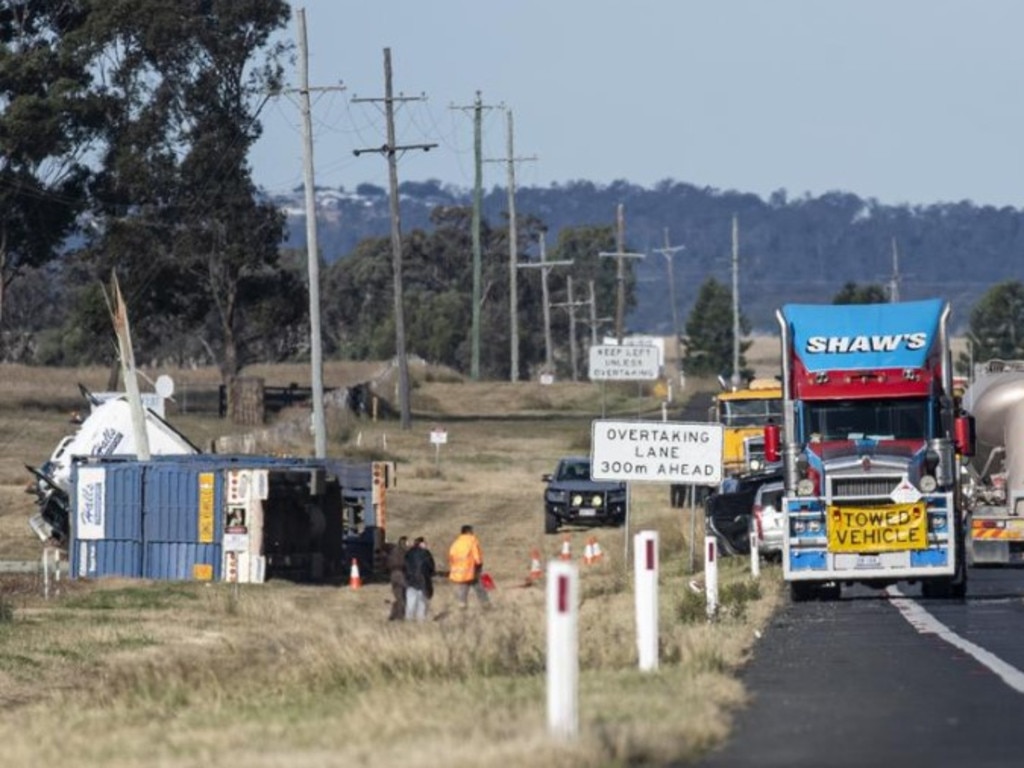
[(629, 362), (656, 451)]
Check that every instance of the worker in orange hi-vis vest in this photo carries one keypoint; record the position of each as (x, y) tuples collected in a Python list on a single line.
[(465, 565)]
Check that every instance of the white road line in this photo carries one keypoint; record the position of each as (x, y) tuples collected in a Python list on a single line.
[(925, 623)]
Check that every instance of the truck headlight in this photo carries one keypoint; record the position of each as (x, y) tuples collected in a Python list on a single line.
[(928, 483), (596, 500), (804, 487), (577, 499)]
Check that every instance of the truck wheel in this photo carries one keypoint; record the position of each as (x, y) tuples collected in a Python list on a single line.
[(954, 587), (830, 592), (550, 523), (801, 591), (936, 589)]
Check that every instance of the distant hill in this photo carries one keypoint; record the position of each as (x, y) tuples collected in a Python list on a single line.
[(791, 250)]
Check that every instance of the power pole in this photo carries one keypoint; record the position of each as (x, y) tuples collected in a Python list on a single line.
[(894, 281), (312, 248), (545, 267), (594, 319), (735, 303), (571, 305), (478, 107), (620, 255), (390, 150), (513, 256), (668, 252)]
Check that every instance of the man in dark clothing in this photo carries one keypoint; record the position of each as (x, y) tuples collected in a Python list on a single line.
[(396, 569), (419, 580)]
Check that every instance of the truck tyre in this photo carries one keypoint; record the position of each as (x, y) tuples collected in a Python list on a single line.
[(953, 587), (801, 591), (550, 523), (830, 592), (958, 584)]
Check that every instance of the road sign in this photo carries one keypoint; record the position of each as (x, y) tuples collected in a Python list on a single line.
[(611, 362), (656, 451)]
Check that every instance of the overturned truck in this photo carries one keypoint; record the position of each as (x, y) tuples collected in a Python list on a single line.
[(188, 515)]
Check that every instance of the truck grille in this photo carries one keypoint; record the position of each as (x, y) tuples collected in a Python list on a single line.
[(862, 486)]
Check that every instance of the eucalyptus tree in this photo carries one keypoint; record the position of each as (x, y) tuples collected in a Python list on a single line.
[(175, 209), (709, 333), (997, 325), (852, 293), (47, 116)]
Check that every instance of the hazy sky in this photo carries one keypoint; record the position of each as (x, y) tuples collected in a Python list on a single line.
[(916, 101)]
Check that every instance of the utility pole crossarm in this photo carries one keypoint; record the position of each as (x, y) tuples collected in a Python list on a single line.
[(544, 264), (384, 149), (386, 99)]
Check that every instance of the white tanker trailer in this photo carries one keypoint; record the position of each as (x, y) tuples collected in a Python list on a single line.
[(994, 481)]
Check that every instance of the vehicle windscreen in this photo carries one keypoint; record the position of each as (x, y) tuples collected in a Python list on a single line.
[(866, 419), (750, 413), (573, 470)]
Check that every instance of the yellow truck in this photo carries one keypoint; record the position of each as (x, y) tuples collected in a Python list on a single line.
[(743, 414)]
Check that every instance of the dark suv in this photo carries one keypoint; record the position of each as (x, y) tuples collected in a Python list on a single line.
[(572, 497), (729, 513)]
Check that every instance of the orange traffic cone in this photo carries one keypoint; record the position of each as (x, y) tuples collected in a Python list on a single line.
[(596, 554), (354, 580), (566, 549), (588, 552), (535, 569)]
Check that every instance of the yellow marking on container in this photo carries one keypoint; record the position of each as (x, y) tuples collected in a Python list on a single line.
[(206, 484), (202, 572)]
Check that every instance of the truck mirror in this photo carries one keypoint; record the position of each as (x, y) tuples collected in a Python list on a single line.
[(771, 443), (963, 432)]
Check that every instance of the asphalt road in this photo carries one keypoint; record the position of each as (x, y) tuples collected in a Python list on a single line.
[(884, 678)]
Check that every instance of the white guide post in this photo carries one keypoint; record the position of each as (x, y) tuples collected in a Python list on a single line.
[(711, 575), (755, 558), (645, 577), (563, 649)]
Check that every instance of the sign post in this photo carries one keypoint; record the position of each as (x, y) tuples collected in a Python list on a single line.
[(438, 437), (656, 451)]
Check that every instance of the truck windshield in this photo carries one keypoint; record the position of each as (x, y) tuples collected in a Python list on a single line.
[(873, 419), (750, 413)]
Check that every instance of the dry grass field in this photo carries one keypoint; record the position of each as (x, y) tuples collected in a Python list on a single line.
[(122, 673)]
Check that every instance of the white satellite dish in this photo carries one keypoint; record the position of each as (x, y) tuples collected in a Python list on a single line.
[(164, 386)]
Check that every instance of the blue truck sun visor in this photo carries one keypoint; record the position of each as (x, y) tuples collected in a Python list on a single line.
[(863, 336)]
